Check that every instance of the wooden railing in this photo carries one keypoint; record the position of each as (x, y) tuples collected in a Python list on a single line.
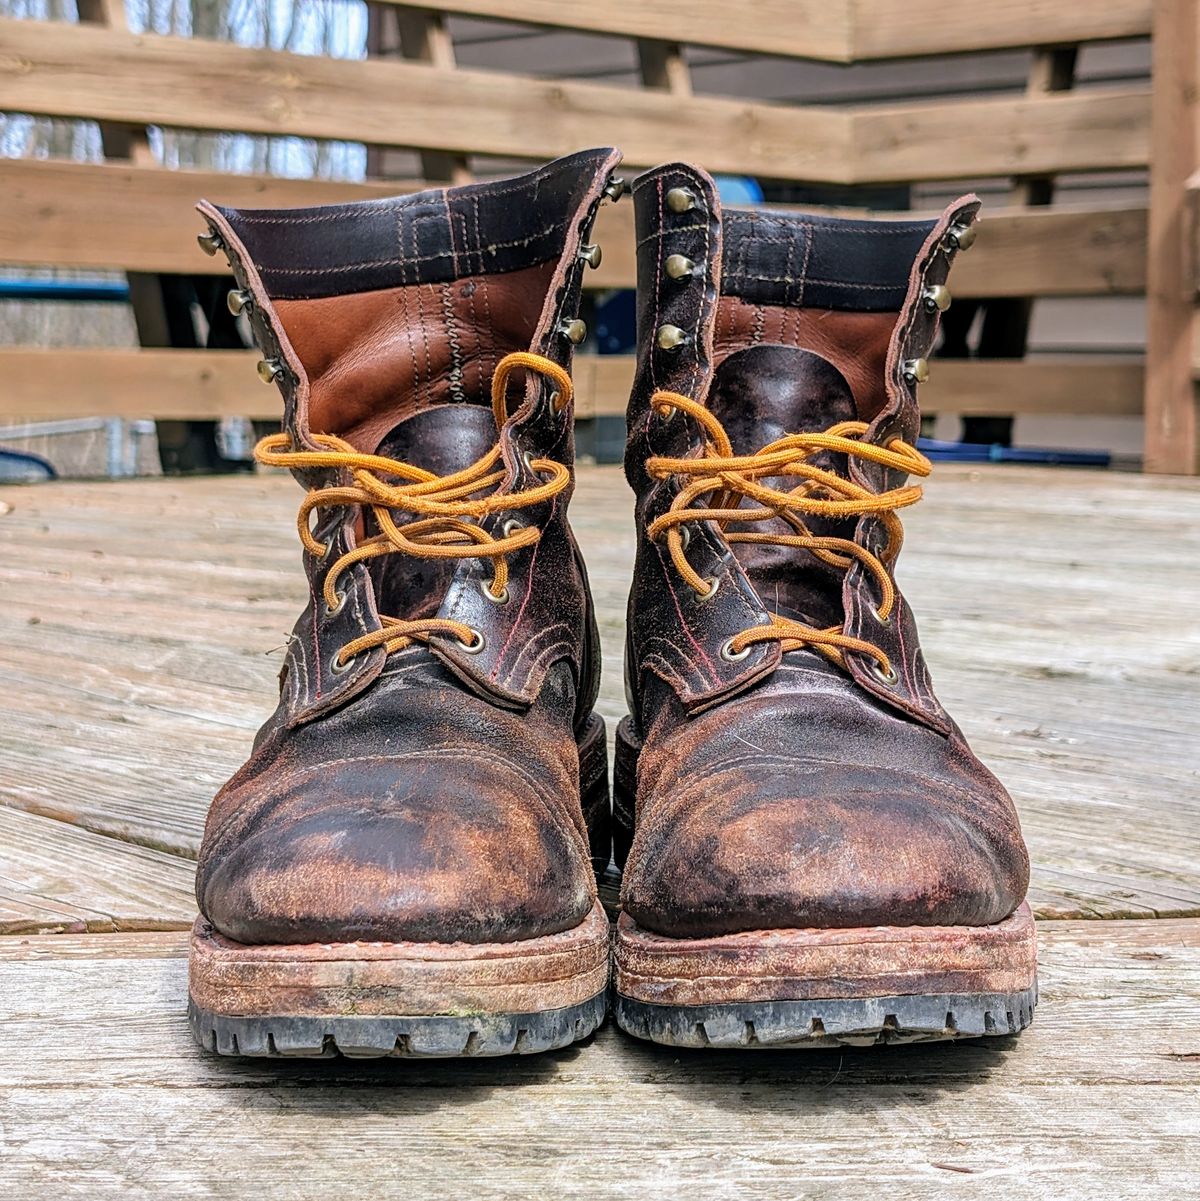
[(132, 215)]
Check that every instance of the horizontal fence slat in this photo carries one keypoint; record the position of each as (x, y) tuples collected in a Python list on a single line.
[(114, 216), (60, 69), (887, 29), (834, 30), (964, 139), (1055, 252), (1085, 387), (819, 29), (47, 384), (41, 384), (61, 214), (1094, 386)]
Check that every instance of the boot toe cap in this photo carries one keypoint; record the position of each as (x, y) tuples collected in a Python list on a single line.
[(811, 845), (436, 848)]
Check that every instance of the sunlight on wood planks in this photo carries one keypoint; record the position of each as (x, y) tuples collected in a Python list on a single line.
[(1092, 1101), (144, 624)]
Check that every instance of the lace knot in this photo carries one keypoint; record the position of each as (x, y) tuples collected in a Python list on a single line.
[(447, 510), (718, 482)]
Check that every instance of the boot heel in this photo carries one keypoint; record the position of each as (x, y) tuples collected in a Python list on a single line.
[(593, 792), (629, 746)]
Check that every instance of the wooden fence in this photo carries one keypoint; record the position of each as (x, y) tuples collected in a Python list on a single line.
[(130, 214)]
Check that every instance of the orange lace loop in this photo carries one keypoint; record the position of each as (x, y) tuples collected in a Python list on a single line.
[(448, 509), (726, 480)]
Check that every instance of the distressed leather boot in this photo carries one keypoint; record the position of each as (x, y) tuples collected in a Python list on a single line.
[(811, 853), (405, 865)]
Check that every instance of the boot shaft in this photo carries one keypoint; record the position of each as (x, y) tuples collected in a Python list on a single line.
[(775, 324), (384, 323), (378, 310)]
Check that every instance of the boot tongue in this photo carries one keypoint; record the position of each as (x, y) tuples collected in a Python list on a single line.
[(443, 440), (760, 395), (765, 392)]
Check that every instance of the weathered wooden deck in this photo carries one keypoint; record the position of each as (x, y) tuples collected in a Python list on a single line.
[(138, 625)]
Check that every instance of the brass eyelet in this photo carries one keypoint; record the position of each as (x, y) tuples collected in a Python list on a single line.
[(473, 648), (670, 337), (511, 526), (889, 677), (714, 582), (488, 595), (336, 609), (883, 619), (340, 666), (681, 200), (732, 656), (615, 188), (679, 266)]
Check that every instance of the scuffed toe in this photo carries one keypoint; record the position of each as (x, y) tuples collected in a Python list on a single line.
[(419, 847)]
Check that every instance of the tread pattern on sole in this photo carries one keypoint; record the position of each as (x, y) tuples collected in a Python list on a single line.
[(859, 1022), (476, 1035)]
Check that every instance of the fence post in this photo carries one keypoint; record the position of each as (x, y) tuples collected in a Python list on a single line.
[(1172, 437)]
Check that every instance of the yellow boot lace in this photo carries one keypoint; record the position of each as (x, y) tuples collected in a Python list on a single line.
[(727, 479), (448, 509)]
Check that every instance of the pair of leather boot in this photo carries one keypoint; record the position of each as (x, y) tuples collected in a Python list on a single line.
[(408, 862)]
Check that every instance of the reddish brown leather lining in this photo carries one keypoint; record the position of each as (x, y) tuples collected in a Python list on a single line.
[(375, 358), (855, 343)]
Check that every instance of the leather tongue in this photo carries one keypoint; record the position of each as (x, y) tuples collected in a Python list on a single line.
[(760, 395), (443, 440), (765, 392)]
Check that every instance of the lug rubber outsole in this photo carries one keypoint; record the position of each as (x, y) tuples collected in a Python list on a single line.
[(420, 1037), (370, 999), (822, 987), (861, 1022)]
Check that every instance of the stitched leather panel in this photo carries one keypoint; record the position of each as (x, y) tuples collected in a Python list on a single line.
[(819, 262), (549, 614), (423, 238)]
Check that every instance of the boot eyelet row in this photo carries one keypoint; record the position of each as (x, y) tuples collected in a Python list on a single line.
[(473, 648)]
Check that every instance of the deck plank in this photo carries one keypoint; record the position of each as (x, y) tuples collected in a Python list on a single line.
[(108, 1095), (143, 626), (55, 876)]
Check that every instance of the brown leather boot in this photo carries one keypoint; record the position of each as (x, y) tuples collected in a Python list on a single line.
[(816, 856), (406, 863)]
